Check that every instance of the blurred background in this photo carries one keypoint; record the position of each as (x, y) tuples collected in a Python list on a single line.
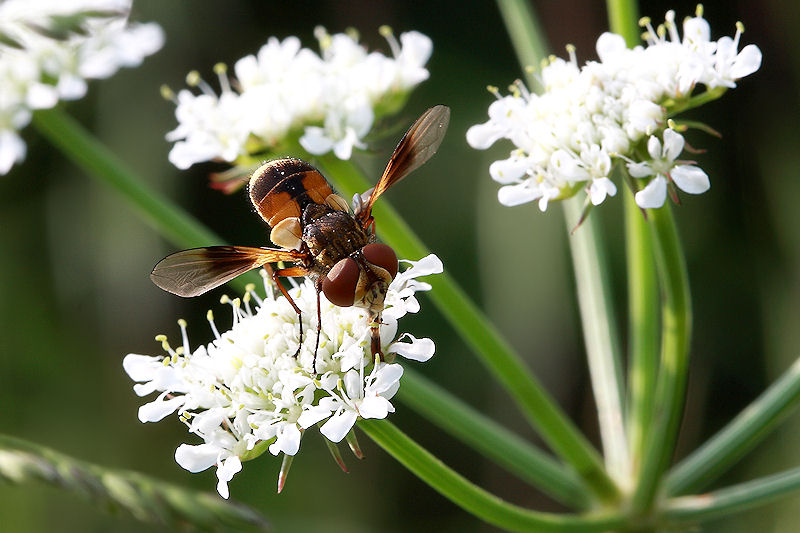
[(75, 296)]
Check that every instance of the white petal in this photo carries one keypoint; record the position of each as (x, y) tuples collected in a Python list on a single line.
[(696, 29), (600, 188), (375, 407), (747, 62), (71, 87), (12, 150), (315, 142), (640, 170), (386, 376), (509, 170), (287, 440), (225, 472), (653, 195), (197, 458), (312, 415), (609, 45), (482, 136), (430, 264), (158, 409), (141, 367), (654, 147), (511, 195), (416, 350), (690, 178), (339, 425), (41, 96), (673, 144)]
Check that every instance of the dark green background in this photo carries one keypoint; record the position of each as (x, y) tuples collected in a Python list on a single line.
[(75, 296)]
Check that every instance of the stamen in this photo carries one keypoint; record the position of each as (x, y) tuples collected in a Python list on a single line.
[(210, 318), (184, 336), (571, 52), (193, 79), (168, 94), (386, 32), (324, 38), (221, 70)]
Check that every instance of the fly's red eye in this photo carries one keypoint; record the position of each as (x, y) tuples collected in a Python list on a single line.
[(339, 286), (381, 255)]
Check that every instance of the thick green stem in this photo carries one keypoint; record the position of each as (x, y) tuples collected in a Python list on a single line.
[(472, 498), (530, 47), (66, 134), (168, 219), (671, 381), (623, 19), (688, 510), (492, 440), (749, 428), (145, 498), (600, 334), (526, 36), (643, 327), (493, 351)]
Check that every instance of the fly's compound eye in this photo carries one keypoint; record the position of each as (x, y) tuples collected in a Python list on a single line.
[(382, 256), (339, 286)]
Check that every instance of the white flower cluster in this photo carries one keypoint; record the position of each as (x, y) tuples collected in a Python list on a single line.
[(49, 48), (247, 392), (568, 137), (332, 98)]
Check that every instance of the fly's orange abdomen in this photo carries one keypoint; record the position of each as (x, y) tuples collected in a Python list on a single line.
[(283, 188)]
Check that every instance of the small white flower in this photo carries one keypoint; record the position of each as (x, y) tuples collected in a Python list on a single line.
[(42, 70), (662, 165), (359, 397), (568, 138), (246, 392), (332, 98)]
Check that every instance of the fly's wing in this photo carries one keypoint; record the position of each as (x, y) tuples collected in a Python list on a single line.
[(196, 271), (417, 146)]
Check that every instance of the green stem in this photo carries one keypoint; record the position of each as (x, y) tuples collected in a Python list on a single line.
[(623, 19), (145, 498), (83, 149), (492, 440), (530, 47), (600, 334), (493, 351), (735, 499), (643, 327), (66, 134), (749, 428), (472, 498), (698, 100), (526, 36), (671, 380)]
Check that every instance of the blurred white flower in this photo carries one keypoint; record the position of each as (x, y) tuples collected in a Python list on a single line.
[(50, 48), (328, 101), (246, 392), (568, 138)]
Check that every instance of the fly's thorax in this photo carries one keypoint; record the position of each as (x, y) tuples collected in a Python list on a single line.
[(331, 235)]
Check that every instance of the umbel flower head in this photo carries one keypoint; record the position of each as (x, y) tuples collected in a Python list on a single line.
[(49, 48), (326, 101), (617, 109), (250, 390)]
